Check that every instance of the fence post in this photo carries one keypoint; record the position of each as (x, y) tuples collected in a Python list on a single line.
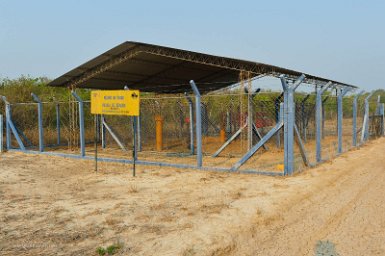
[(191, 112), (304, 120), (319, 116), (365, 125), (289, 121), (378, 106), (1, 133), (277, 102), (341, 94), (355, 99), (382, 119), (135, 120), (7, 117), (323, 116), (198, 120), (103, 131), (139, 133), (58, 123), (81, 123), (249, 120), (40, 121)]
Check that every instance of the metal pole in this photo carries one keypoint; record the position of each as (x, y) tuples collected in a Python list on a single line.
[(319, 120), (81, 124), (191, 112), (58, 123), (7, 117), (378, 106), (96, 142), (139, 128), (341, 94), (382, 116), (355, 118), (198, 120), (277, 103), (11, 127), (365, 126), (260, 143), (289, 121), (134, 153), (1, 133), (40, 121), (339, 120), (323, 116), (304, 118), (318, 125), (7, 128), (249, 121), (103, 131)]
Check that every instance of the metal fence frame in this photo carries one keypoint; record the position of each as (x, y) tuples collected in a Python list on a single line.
[(286, 114)]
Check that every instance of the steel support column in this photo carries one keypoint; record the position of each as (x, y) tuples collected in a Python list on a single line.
[(378, 106), (249, 120), (341, 94), (191, 116), (319, 120), (277, 103), (383, 118), (40, 121), (7, 117), (288, 122), (304, 117), (1, 133), (365, 125), (81, 124), (355, 100), (58, 123), (198, 120), (10, 127)]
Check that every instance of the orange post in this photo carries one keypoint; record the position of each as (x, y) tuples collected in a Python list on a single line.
[(159, 132), (222, 135)]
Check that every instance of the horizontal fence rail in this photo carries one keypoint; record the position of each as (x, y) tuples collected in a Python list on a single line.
[(246, 129)]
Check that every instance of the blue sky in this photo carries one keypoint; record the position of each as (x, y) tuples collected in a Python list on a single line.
[(341, 40)]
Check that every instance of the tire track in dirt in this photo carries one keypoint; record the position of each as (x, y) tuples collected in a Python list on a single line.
[(334, 221), (314, 215)]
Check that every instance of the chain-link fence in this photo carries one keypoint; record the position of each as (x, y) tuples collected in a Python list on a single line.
[(232, 124)]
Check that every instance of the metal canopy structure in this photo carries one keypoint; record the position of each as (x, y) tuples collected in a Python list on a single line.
[(154, 68)]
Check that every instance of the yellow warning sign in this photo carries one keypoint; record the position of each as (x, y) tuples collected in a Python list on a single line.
[(115, 102)]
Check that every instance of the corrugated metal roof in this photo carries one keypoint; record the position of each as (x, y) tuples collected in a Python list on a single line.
[(153, 68)]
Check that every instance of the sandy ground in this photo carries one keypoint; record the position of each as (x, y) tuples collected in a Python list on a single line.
[(57, 206)]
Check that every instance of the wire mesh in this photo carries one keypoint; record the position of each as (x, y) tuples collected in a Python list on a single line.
[(232, 123)]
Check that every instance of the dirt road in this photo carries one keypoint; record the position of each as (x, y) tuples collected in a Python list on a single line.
[(56, 206)]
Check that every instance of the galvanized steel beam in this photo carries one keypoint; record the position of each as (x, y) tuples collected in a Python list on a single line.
[(355, 99), (365, 125), (289, 121), (319, 120), (191, 116), (198, 120), (40, 121), (81, 124), (113, 135), (341, 94), (256, 147)]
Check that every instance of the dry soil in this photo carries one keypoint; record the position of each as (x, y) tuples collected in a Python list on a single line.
[(58, 206)]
